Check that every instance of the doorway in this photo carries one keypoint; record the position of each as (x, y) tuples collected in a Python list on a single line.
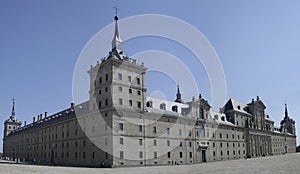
[(203, 155)]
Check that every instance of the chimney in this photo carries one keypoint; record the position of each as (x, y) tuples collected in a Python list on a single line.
[(45, 114), (72, 105), (33, 119)]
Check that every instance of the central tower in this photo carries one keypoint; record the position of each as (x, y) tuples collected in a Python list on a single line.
[(118, 81)]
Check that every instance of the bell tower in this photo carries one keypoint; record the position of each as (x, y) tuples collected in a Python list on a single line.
[(12, 123)]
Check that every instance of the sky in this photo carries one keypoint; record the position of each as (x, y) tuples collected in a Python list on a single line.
[(256, 41)]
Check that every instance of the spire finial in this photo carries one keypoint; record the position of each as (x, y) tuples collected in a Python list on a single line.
[(117, 42), (116, 10)]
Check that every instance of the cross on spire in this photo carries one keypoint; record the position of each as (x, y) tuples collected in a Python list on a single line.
[(116, 9)]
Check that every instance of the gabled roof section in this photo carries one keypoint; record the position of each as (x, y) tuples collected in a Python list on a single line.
[(236, 106)]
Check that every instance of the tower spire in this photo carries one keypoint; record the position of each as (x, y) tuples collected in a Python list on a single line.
[(178, 96), (117, 42), (13, 114), (286, 115)]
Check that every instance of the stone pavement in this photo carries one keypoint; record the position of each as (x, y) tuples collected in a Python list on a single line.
[(289, 164)]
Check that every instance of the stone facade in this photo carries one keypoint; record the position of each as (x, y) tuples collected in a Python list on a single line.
[(121, 126)]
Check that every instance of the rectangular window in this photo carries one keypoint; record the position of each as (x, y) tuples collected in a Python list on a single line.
[(140, 142), (100, 80), (169, 154), (121, 141), (154, 129), (106, 77), (232, 136), (214, 145), (228, 152), (106, 89), (120, 101), (138, 92), (141, 154), (120, 88), (83, 155), (138, 81), (106, 102), (121, 154), (75, 154), (220, 144), (168, 131), (180, 154), (140, 128), (220, 135), (154, 142), (121, 126), (130, 103), (120, 76), (75, 143), (191, 154), (155, 155), (168, 143), (93, 155), (180, 132), (139, 104), (180, 144), (190, 144), (221, 153), (129, 78), (83, 143), (130, 91)]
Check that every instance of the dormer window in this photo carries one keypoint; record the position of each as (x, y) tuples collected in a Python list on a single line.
[(175, 108), (149, 104), (223, 118), (201, 111), (239, 107), (162, 106)]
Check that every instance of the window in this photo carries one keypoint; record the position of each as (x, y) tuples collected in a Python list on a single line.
[(140, 142), (202, 131), (227, 136), (139, 104), (221, 153), (180, 154), (121, 141), (228, 152), (227, 144), (141, 154), (138, 81), (201, 113), (83, 143), (221, 144), (100, 104), (129, 78), (100, 92), (155, 155), (162, 106), (120, 88), (220, 135), (120, 76), (154, 129), (168, 131), (233, 144), (149, 104), (191, 154), (121, 154), (169, 154), (180, 144), (75, 143), (130, 103), (93, 155), (130, 91), (190, 144), (168, 143), (138, 92), (106, 77), (175, 108), (100, 80), (180, 132), (106, 102), (75, 154), (120, 101), (121, 126), (154, 142), (214, 153), (214, 144), (140, 128), (106, 89), (83, 155)]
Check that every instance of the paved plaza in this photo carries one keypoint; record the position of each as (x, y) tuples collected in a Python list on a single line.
[(289, 164)]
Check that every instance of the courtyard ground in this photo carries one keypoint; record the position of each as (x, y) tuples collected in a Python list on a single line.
[(289, 164)]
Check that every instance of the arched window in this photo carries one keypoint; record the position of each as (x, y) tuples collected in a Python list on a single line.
[(202, 131), (201, 113)]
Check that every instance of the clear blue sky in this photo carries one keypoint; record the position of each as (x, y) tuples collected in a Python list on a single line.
[(257, 42)]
